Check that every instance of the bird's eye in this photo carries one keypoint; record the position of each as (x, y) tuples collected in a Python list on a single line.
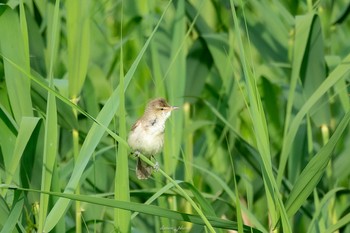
[(161, 109)]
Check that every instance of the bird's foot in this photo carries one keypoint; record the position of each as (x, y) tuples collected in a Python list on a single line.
[(156, 166), (136, 153)]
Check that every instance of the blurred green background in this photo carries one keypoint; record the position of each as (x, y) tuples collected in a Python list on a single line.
[(261, 143)]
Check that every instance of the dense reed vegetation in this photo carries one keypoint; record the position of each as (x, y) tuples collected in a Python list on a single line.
[(261, 143)]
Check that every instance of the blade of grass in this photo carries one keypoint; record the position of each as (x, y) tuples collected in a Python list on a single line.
[(185, 195), (314, 170), (232, 195), (331, 194), (336, 75), (27, 126), (154, 197), (203, 203), (4, 211), (14, 45), (344, 221), (313, 72), (238, 203), (175, 87), (51, 130), (302, 31), (122, 221), (15, 214), (78, 39), (8, 133)]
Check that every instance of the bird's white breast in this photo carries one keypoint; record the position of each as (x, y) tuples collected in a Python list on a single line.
[(147, 139)]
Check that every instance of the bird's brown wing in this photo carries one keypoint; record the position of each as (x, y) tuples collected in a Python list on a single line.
[(137, 123)]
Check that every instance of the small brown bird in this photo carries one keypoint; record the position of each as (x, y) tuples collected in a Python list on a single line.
[(147, 134)]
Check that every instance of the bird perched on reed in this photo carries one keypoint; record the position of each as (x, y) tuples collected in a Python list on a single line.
[(147, 135)]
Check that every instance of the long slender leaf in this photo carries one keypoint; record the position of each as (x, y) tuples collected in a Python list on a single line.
[(314, 170), (27, 126), (146, 209), (13, 47), (51, 131), (15, 213)]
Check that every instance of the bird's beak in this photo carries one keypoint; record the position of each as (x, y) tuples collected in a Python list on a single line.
[(173, 108)]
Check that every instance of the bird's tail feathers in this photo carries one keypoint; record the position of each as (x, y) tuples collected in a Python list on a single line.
[(143, 170)]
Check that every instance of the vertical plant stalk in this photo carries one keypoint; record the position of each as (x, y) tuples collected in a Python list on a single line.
[(121, 186), (75, 135), (188, 155), (239, 211), (175, 87), (78, 38), (51, 131)]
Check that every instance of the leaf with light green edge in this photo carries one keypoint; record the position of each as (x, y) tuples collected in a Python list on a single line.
[(340, 90), (238, 203), (207, 209), (232, 196), (36, 45), (336, 75), (197, 69), (175, 87), (65, 114), (268, 31), (157, 194), (27, 126), (313, 71), (78, 42), (51, 128), (200, 24), (52, 39), (197, 125), (182, 192), (331, 194), (121, 180), (344, 221), (203, 203), (2, 9), (15, 213), (8, 134), (302, 30), (89, 98), (158, 63), (275, 204), (341, 163), (216, 43), (13, 47), (24, 33), (314, 170), (219, 48), (299, 150), (4, 211), (49, 157), (94, 136), (142, 208)]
